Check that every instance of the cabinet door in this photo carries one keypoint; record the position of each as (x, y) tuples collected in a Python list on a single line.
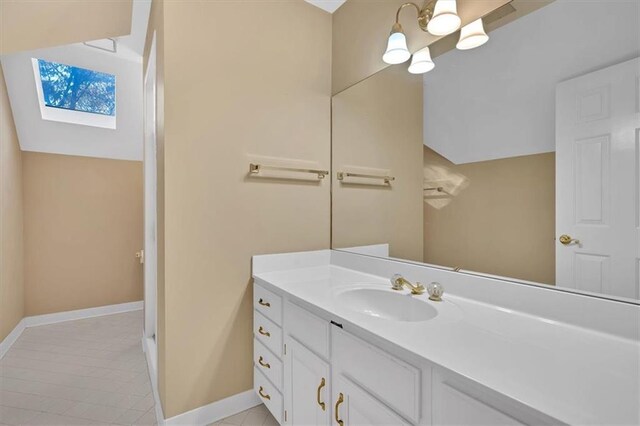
[(353, 406), (306, 378)]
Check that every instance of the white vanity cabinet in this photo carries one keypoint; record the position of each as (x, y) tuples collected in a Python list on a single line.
[(310, 371)]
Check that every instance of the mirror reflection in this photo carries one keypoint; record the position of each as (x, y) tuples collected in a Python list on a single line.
[(519, 158)]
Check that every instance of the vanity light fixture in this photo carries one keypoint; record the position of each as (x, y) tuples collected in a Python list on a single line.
[(438, 17), (472, 35)]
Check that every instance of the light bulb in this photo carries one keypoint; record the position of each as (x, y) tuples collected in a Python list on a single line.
[(472, 35), (421, 62), (445, 19), (397, 51)]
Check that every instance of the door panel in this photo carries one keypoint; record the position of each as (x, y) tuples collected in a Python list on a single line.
[(306, 387), (597, 181), (358, 408)]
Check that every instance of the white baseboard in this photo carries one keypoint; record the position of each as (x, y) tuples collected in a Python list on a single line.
[(37, 320), (83, 313), (216, 410), (11, 337)]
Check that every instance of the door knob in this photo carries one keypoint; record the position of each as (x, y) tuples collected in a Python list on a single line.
[(566, 240)]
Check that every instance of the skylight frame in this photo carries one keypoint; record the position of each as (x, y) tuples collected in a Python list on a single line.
[(70, 116)]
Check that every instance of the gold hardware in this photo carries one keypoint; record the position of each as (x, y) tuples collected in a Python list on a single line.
[(262, 363), (337, 413), (387, 179), (457, 269), (566, 240), (263, 303), (424, 14), (262, 394), (254, 169), (320, 403), (398, 282), (140, 256), (264, 332)]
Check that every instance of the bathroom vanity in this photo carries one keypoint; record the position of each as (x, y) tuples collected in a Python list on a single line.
[(335, 344)]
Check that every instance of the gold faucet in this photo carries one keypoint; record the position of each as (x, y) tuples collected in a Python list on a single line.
[(398, 282)]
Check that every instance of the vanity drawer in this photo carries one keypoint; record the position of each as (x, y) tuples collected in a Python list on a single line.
[(268, 333), (394, 382), (268, 394), (308, 329), (267, 303), (268, 363)]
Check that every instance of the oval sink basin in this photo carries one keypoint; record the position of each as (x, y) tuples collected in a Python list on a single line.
[(386, 304)]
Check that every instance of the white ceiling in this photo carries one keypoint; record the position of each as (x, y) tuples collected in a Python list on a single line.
[(36, 134), (328, 5)]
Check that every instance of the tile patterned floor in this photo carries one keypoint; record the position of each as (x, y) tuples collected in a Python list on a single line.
[(85, 372), (257, 416)]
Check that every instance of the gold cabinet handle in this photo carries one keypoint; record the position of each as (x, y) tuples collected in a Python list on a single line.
[(263, 303), (262, 363), (566, 240), (320, 403), (337, 413), (264, 332), (262, 394)]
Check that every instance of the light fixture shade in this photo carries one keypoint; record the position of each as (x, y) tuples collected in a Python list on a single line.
[(472, 35), (445, 19), (397, 51), (421, 62)]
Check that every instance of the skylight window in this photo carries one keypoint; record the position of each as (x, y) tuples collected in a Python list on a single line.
[(75, 95)]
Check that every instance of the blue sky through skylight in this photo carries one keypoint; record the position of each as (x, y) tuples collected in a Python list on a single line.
[(78, 89)]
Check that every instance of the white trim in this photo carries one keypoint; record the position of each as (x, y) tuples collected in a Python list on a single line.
[(37, 320), (150, 351), (82, 314), (216, 410), (12, 337)]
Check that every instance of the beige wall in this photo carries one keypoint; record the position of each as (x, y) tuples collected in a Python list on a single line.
[(263, 92), (11, 224), (377, 129), (495, 217), (83, 225), (29, 24), (361, 28)]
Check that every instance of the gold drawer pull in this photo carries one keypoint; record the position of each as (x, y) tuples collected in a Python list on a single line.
[(337, 413), (262, 394), (263, 303), (320, 403), (264, 332), (262, 363)]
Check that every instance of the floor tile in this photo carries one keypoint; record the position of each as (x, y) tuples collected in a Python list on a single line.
[(84, 372)]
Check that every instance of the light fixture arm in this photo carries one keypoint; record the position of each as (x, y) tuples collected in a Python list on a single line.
[(424, 14)]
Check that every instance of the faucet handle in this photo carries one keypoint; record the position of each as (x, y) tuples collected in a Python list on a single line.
[(435, 291), (396, 282), (418, 289)]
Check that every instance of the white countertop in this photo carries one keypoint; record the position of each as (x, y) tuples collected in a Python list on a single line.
[(575, 375)]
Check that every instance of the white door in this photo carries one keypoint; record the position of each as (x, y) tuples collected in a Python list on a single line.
[(597, 181), (306, 378), (353, 406), (150, 194)]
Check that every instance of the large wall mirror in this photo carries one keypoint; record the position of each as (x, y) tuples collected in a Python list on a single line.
[(518, 159)]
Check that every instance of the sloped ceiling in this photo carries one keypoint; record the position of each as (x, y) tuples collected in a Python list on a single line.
[(36, 134), (328, 5), (27, 25)]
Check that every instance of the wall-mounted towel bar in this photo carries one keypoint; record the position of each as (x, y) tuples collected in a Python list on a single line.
[(254, 169), (386, 179)]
